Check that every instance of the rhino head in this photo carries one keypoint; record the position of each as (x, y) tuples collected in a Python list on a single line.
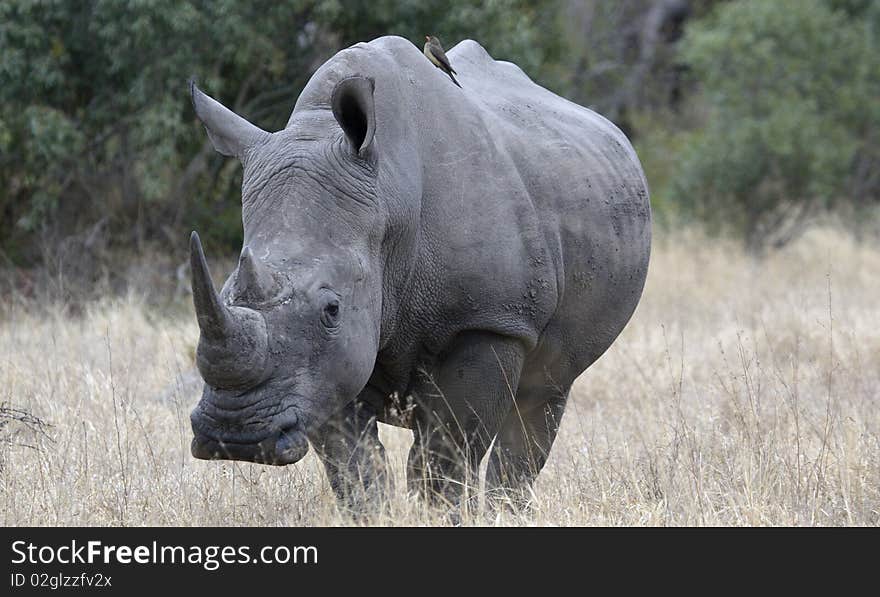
[(293, 334)]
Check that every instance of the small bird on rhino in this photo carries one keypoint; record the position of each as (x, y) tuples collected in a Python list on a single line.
[(434, 52)]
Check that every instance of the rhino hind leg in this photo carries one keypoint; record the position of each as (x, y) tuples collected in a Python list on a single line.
[(523, 445), (348, 445), (460, 405)]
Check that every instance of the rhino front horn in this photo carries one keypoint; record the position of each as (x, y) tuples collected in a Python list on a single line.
[(233, 346), (213, 319)]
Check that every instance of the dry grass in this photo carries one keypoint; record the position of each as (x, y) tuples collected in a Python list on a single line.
[(742, 393)]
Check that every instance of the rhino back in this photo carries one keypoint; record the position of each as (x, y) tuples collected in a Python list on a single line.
[(591, 198)]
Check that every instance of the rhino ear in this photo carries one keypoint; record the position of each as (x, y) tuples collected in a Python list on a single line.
[(354, 110), (230, 133)]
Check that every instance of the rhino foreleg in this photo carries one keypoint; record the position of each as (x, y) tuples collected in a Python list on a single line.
[(461, 402), (354, 458), (523, 445)]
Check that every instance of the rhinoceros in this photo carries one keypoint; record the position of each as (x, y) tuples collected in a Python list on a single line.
[(441, 258)]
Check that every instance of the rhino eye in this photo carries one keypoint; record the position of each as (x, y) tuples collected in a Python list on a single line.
[(330, 316)]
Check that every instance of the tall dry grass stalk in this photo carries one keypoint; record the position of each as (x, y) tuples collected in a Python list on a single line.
[(743, 392)]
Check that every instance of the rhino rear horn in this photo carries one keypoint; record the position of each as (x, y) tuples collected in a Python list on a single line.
[(254, 279), (230, 134)]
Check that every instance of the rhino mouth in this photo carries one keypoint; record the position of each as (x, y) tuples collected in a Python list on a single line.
[(281, 448), (285, 443)]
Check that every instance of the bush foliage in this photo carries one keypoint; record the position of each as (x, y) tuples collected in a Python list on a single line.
[(792, 95), (95, 122), (774, 104)]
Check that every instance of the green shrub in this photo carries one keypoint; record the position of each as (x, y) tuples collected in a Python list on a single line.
[(95, 121), (792, 89)]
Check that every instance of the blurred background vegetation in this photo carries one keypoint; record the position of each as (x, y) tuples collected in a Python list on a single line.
[(751, 116)]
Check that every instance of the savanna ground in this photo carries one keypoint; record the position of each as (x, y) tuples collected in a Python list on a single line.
[(744, 392)]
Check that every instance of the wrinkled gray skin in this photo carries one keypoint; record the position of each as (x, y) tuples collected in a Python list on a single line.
[(444, 259)]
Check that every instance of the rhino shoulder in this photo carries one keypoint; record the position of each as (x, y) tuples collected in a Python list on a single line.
[(475, 56), (381, 58)]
